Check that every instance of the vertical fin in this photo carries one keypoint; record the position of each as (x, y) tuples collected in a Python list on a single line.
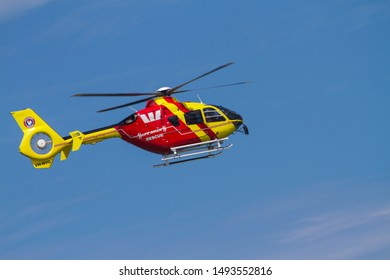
[(40, 142)]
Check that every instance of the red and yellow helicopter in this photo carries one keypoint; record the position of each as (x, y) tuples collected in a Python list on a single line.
[(179, 131)]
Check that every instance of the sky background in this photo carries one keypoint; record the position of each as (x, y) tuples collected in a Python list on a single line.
[(311, 181)]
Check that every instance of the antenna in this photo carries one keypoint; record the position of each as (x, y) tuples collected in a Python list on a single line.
[(199, 98), (132, 109)]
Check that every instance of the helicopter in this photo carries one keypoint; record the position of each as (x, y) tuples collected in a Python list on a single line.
[(178, 131)]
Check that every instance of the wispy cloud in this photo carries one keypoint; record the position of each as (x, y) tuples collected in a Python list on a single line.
[(340, 234), (11, 8), (33, 221), (337, 219), (322, 226)]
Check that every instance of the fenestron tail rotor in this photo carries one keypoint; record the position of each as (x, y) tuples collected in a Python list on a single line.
[(41, 143), (165, 91)]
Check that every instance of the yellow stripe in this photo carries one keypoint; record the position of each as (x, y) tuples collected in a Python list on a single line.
[(180, 114)]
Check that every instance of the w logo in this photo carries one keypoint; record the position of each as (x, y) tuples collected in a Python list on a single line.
[(151, 116)]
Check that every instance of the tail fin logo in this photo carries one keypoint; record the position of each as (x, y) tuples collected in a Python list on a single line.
[(29, 122)]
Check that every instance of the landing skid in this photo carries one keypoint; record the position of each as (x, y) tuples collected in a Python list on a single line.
[(211, 148)]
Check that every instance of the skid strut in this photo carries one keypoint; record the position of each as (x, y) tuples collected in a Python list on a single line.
[(195, 151)]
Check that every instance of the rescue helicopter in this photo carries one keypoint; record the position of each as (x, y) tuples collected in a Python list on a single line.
[(178, 131)]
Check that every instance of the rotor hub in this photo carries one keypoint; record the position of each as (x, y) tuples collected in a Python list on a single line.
[(41, 143), (163, 90)]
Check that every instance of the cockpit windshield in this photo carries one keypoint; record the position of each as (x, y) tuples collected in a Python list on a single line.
[(229, 113)]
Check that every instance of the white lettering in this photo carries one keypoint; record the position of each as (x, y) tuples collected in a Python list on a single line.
[(154, 137), (140, 135)]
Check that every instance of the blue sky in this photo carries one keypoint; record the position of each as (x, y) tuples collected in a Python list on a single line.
[(311, 181)]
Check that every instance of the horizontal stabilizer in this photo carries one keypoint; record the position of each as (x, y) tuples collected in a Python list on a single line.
[(78, 139)]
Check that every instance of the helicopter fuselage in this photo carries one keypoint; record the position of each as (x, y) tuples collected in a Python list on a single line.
[(165, 123)]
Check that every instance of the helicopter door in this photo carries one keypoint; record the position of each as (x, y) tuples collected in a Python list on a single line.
[(193, 117), (217, 123), (202, 130)]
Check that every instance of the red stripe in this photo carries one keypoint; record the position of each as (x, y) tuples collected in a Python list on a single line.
[(182, 108)]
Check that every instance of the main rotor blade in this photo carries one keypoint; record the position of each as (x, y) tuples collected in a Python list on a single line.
[(113, 94), (174, 90), (219, 86), (125, 105)]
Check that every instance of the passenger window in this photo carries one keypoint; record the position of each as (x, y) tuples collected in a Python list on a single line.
[(193, 117), (212, 115), (174, 120)]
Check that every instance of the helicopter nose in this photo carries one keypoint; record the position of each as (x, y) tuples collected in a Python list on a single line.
[(238, 121), (246, 130), (235, 118), (239, 124)]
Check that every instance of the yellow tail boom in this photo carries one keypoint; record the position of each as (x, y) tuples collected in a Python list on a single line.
[(41, 143)]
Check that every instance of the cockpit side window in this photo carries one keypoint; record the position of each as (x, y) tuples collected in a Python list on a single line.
[(212, 115), (193, 117)]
